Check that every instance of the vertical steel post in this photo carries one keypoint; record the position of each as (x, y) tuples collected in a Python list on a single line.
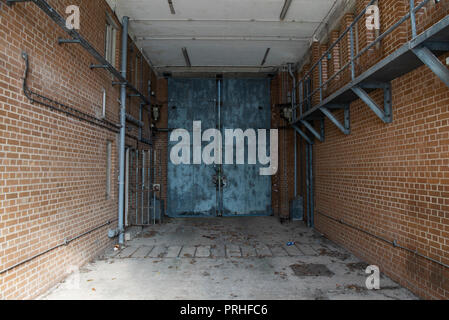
[(140, 119), (121, 196), (413, 18), (320, 65), (154, 193), (137, 185), (149, 187), (142, 196), (301, 99), (352, 53), (307, 184), (220, 170)]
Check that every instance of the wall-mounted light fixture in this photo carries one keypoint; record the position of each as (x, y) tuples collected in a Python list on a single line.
[(172, 7), (284, 11)]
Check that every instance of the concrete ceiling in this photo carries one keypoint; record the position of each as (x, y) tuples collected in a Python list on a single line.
[(224, 35)]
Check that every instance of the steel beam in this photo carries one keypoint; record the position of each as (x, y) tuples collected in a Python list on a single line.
[(309, 127), (434, 64), (345, 128), (302, 134), (98, 66), (437, 45), (384, 114), (68, 41)]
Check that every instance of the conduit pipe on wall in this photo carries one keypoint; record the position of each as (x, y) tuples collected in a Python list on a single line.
[(65, 242), (295, 141), (121, 195)]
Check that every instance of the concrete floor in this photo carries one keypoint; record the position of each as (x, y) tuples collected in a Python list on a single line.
[(226, 258)]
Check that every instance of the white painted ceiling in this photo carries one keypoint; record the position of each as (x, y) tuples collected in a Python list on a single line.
[(222, 35)]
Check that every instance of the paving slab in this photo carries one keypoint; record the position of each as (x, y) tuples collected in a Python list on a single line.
[(158, 252), (263, 251), (187, 252), (306, 249), (142, 252), (202, 252), (218, 251), (293, 251), (173, 251), (278, 251), (127, 252), (233, 251), (248, 251)]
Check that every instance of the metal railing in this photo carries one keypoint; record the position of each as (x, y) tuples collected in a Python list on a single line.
[(306, 98)]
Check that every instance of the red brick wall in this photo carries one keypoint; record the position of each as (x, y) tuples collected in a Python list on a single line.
[(53, 167), (161, 139), (392, 180)]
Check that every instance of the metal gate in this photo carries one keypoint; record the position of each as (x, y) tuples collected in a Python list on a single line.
[(215, 190)]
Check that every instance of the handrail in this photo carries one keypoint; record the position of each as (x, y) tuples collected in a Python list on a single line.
[(307, 96), (76, 38)]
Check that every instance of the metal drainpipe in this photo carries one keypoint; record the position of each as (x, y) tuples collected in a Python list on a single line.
[(121, 195), (294, 132)]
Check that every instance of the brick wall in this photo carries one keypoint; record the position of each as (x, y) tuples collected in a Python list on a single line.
[(53, 166), (392, 180)]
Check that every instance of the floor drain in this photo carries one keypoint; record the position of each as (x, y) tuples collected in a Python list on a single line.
[(311, 270)]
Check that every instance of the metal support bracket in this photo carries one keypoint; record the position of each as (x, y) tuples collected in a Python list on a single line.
[(319, 136), (302, 134), (434, 64), (346, 127), (115, 83), (98, 66), (11, 2), (437, 45), (67, 41), (385, 113)]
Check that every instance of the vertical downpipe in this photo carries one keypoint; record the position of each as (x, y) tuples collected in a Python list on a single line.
[(312, 195), (294, 131), (121, 195)]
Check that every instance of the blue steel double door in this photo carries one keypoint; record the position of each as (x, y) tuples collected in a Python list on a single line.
[(194, 190)]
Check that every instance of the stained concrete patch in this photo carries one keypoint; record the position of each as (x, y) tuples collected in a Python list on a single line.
[(357, 266), (311, 270), (333, 254)]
